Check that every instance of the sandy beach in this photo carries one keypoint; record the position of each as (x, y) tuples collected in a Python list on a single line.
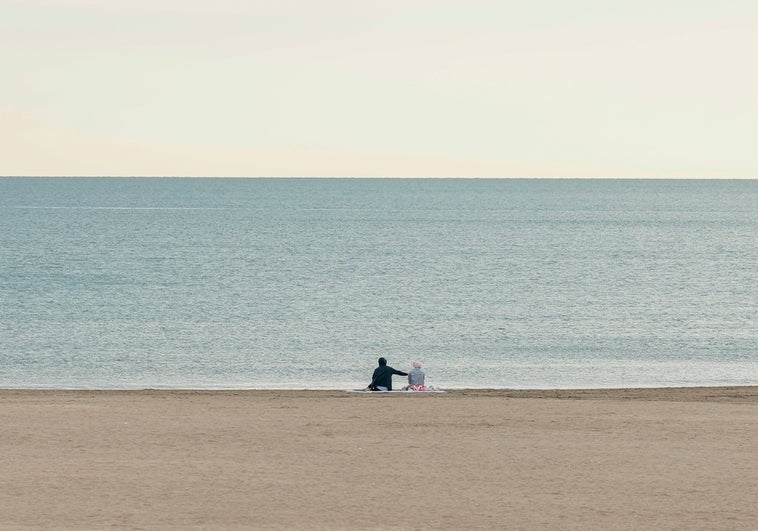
[(596, 459)]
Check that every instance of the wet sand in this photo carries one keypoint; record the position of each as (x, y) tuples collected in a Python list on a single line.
[(595, 459)]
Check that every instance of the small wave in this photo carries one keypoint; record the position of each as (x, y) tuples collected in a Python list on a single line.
[(25, 207)]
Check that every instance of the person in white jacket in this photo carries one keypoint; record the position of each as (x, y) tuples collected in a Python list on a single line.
[(416, 378)]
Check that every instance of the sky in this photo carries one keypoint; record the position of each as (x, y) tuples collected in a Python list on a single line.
[(397, 88)]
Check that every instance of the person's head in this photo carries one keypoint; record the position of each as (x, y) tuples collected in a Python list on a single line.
[(382, 361), (416, 364)]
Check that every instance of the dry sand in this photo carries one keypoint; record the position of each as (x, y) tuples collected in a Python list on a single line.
[(601, 459)]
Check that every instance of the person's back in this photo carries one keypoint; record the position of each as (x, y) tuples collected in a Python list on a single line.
[(382, 377), (417, 376)]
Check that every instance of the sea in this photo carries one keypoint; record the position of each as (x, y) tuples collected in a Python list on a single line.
[(221, 283)]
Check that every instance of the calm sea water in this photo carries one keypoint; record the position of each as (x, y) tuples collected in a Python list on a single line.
[(303, 283)]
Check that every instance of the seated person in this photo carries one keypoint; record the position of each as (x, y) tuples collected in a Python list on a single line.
[(382, 377), (416, 378)]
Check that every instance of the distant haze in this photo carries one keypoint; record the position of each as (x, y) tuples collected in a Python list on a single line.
[(469, 88)]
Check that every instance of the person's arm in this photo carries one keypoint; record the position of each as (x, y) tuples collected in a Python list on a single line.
[(399, 373), (373, 380)]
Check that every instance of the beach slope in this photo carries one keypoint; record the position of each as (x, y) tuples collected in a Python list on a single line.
[(595, 459)]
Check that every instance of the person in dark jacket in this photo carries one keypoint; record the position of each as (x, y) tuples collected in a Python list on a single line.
[(382, 378)]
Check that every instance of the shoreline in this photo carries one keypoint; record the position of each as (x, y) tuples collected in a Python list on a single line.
[(731, 393), (665, 458)]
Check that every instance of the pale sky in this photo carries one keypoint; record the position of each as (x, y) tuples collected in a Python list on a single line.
[(470, 88)]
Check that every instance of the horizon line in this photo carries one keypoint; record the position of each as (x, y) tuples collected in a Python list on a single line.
[(408, 177)]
